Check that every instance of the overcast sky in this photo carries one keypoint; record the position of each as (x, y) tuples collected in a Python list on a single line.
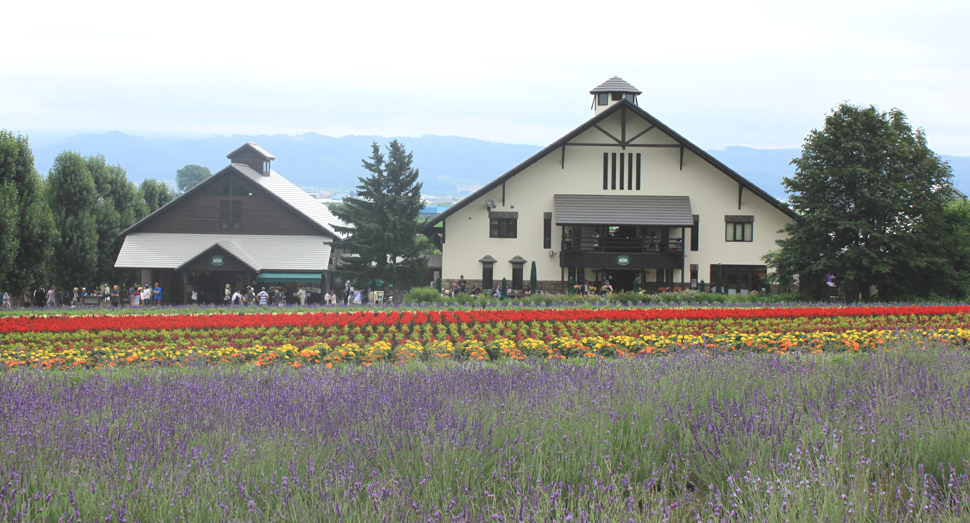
[(758, 74)]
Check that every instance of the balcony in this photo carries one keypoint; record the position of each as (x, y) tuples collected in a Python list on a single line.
[(622, 253)]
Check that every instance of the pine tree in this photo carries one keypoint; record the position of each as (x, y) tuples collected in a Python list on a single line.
[(382, 221)]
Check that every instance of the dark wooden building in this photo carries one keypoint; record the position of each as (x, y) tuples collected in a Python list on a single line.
[(245, 225)]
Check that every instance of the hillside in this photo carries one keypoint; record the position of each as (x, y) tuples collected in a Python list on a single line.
[(449, 165)]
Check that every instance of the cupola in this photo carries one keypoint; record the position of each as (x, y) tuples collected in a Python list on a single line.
[(257, 158), (611, 92)]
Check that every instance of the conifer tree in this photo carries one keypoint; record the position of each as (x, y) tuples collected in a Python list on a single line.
[(382, 221)]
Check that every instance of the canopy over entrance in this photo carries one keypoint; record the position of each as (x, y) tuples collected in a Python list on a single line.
[(286, 277), (609, 209)]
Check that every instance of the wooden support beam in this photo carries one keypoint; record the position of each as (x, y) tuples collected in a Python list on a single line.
[(740, 192), (563, 156), (641, 133), (658, 145), (681, 157), (503, 194), (623, 128), (614, 138)]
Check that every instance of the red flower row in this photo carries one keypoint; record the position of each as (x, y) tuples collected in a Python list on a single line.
[(364, 318)]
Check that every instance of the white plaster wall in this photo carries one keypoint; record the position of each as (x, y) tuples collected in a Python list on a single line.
[(530, 193)]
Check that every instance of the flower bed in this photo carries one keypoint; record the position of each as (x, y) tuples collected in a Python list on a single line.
[(371, 337)]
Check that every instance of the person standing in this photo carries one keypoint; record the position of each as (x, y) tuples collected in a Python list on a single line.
[(136, 297), (6, 300), (157, 294), (462, 284), (194, 296), (227, 297), (250, 296), (301, 294), (51, 297), (115, 296), (263, 297), (280, 297), (39, 296)]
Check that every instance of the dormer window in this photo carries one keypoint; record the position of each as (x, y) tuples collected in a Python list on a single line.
[(266, 166), (603, 99)]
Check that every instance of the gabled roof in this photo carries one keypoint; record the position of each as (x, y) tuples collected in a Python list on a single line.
[(617, 106), (255, 148), (615, 85), (293, 196), (277, 186)]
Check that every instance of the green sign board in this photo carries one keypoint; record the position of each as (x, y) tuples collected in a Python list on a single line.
[(217, 260), (622, 260)]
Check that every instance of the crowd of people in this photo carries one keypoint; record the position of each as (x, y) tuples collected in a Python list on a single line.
[(136, 295)]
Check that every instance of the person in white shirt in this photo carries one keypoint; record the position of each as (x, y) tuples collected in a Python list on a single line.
[(263, 297), (301, 294), (236, 298)]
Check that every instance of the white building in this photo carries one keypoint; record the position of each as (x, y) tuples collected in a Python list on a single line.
[(622, 197)]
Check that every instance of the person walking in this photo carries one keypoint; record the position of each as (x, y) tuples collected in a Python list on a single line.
[(279, 297), (51, 298), (115, 296), (194, 296), (40, 296), (6, 300), (301, 294)]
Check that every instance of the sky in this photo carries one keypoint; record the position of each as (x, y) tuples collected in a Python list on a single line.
[(757, 74)]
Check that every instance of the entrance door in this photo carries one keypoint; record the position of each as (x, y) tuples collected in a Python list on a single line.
[(622, 280), (212, 284)]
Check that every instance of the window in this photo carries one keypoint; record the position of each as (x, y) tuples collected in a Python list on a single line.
[(625, 169), (547, 230), (230, 215), (738, 231), (693, 234), (487, 278), (502, 228), (517, 278), (603, 99), (617, 96)]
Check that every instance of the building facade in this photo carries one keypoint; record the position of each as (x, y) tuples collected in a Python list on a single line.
[(622, 198), (245, 225)]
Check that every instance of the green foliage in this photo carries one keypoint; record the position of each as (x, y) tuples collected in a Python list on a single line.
[(73, 199), (118, 207), (382, 220), (155, 194), (871, 196), (25, 218), (423, 295), (191, 175)]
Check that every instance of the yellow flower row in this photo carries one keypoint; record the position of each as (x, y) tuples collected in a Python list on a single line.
[(500, 348)]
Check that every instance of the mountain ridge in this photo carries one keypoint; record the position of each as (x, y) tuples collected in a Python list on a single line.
[(448, 165)]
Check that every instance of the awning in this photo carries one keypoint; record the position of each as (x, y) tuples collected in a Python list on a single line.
[(610, 209), (283, 277)]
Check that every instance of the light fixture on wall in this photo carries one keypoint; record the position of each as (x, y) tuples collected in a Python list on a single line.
[(489, 204)]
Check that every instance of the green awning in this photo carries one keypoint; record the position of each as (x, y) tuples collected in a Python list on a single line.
[(280, 277)]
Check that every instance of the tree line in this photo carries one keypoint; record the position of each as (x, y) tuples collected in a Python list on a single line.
[(62, 230)]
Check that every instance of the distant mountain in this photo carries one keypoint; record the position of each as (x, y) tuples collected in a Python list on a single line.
[(449, 165)]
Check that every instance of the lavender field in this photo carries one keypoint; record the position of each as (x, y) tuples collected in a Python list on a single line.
[(863, 437)]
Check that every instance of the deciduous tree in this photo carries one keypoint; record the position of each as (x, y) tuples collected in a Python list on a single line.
[(871, 196), (191, 175), (72, 196), (25, 218), (155, 194)]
